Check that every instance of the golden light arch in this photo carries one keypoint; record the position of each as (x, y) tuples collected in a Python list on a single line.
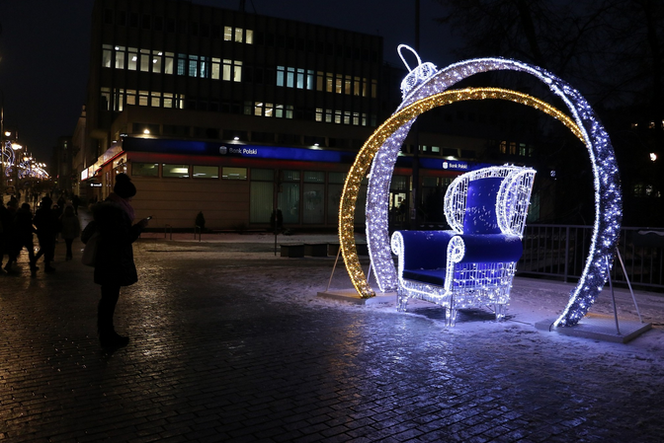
[(366, 155)]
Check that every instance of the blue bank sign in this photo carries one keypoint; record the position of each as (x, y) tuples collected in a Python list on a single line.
[(190, 147)]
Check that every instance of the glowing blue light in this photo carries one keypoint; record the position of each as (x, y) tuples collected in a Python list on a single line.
[(606, 182)]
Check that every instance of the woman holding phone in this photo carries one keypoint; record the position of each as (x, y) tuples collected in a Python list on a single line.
[(114, 265)]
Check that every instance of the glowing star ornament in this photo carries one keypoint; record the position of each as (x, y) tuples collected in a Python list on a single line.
[(381, 150)]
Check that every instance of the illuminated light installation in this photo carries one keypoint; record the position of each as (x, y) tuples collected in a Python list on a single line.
[(370, 152), (606, 183), (473, 264), (8, 158), (420, 74)]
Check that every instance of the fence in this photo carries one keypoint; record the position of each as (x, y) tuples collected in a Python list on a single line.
[(560, 251)]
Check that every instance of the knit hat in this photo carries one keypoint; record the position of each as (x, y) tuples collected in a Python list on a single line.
[(123, 186)]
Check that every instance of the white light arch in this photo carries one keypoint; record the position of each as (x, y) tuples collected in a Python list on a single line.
[(606, 183)]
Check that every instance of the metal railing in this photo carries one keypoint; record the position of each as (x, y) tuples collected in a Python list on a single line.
[(560, 251)]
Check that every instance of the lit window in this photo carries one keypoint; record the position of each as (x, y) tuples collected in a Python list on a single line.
[(268, 110), (132, 61), (206, 172), (216, 69), (175, 171), (280, 75), (168, 100), (107, 55), (157, 61), (238, 35), (237, 71), (119, 57), (228, 33), (168, 62), (131, 96), (145, 60), (234, 173), (193, 66), (290, 77), (249, 37), (143, 98), (144, 169)]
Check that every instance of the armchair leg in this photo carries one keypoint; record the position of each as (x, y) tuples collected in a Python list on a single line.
[(402, 302), (500, 309), (450, 317)]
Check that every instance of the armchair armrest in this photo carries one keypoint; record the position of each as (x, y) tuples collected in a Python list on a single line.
[(491, 248), (421, 249)]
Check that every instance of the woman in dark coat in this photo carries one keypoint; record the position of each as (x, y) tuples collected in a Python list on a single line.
[(114, 263)]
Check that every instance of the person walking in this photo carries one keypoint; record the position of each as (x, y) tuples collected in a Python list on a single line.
[(71, 229), (114, 264), (6, 223), (24, 232), (9, 230), (48, 225)]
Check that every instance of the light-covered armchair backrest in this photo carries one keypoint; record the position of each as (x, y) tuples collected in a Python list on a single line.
[(491, 200)]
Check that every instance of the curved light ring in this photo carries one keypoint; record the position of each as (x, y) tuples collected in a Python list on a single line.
[(606, 183), (393, 125)]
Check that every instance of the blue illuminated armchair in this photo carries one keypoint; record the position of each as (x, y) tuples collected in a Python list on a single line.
[(473, 264)]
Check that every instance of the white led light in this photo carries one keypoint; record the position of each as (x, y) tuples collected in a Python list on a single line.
[(382, 149)]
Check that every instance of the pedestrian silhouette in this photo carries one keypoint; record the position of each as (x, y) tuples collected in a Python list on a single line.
[(114, 263), (71, 229), (47, 224), (24, 231)]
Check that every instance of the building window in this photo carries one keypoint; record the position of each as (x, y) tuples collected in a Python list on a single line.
[(232, 70), (175, 171), (261, 195), (105, 99), (192, 70), (106, 56), (131, 96), (181, 62), (234, 173), (157, 57), (132, 58), (168, 62), (145, 60), (119, 57), (144, 169), (143, 98), (215, 68), (206, 172), (155, 99)]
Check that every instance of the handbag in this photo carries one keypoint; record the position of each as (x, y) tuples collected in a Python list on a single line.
[(90, 236)]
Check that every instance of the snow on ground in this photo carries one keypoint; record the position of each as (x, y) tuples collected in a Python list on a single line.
[(298, 280)]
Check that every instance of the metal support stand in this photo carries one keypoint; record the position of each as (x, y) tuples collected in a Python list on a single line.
[(335, 267), (629, 285)]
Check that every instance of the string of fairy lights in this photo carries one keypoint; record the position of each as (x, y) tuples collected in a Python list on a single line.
[(376, 213), (380, 151)]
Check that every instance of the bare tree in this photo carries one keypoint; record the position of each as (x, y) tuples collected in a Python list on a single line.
[(611, 49)]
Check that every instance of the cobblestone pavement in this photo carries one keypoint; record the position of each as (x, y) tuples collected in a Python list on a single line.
[(230, 343)]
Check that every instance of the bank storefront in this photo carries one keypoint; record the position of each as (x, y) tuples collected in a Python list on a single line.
[(238, 186)]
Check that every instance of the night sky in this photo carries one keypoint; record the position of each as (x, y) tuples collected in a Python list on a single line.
[(44, 50)]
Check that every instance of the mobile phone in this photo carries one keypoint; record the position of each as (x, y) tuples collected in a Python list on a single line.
[(149, 217)]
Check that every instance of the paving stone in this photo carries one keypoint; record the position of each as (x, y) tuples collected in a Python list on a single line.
[(229, 343)]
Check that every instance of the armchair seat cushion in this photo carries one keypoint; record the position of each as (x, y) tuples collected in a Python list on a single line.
[(432, 276)]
